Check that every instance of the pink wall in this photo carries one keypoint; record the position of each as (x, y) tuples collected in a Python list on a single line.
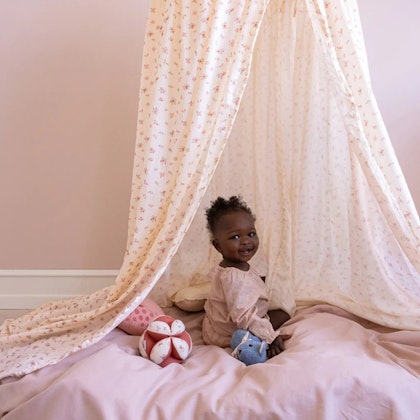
[(69, 81)]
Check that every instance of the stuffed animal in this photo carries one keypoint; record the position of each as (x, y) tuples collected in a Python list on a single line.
[(165, 341), (248, 348)]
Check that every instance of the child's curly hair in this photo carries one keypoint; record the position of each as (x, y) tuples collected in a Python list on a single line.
[(221, 206)]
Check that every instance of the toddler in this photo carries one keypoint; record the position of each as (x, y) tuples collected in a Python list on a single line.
[(238, 298)]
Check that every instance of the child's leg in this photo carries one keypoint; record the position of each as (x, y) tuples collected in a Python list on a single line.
[(278, 317)]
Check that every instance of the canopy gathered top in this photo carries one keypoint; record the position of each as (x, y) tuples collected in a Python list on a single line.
[(272, 101)]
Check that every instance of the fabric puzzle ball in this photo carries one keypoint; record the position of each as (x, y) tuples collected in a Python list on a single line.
[(165, 341)]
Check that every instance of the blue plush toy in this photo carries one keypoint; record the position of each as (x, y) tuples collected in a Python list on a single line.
[(248, 348)]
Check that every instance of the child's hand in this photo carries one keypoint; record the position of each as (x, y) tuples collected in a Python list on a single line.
[(275, 348)]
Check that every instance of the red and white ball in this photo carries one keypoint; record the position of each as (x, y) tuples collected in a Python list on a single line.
[(165, 341)]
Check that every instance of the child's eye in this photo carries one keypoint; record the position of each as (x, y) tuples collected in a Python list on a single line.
[(252, 234), (235, 237)]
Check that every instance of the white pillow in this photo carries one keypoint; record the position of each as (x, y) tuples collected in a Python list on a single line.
[(192, 298)]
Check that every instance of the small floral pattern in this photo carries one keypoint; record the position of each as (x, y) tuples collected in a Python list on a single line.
[(307, 150)]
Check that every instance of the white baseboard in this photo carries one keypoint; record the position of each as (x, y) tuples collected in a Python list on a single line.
[(28, 289)]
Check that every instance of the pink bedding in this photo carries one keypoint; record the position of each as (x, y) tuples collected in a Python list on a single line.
[(335, 366)]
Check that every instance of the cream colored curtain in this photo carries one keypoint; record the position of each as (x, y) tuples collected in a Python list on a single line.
[(310, 154), (308, 151), (196, 63)]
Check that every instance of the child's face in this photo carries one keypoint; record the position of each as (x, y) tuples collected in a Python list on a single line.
[(235, 237)]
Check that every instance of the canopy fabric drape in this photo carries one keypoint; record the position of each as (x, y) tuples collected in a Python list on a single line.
[(308, 151), (310, 154), (196, 61)]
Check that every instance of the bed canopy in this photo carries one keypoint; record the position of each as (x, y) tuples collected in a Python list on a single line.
[(303, 142)]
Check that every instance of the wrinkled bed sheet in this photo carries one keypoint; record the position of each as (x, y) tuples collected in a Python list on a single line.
[(335, 366)]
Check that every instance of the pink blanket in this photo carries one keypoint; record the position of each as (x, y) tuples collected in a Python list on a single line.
[(335, 366)]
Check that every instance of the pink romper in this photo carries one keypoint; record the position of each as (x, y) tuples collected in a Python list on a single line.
[(237, 299)]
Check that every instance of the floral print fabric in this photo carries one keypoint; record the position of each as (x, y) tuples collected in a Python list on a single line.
[(311, 156)]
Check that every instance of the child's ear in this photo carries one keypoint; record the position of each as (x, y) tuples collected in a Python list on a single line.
[(216, 245)]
